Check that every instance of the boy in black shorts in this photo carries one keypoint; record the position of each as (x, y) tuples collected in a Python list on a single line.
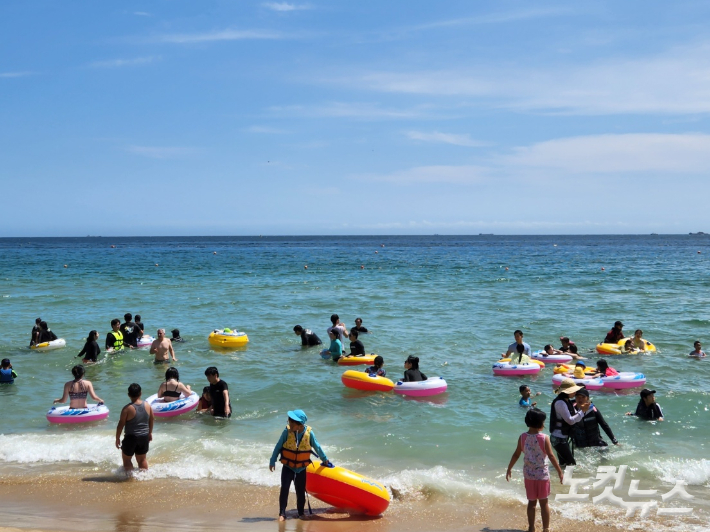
[(137, 418), (219, 392)]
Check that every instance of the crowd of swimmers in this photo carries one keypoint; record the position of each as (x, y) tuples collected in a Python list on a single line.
[(575, 421)]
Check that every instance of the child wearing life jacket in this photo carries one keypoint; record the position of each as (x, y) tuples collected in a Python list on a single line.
[(536, 448), (295, 446), (7, 374), (377, 368)]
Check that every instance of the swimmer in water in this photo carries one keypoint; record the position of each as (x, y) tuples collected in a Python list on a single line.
[(411, 370), (162, 348), (697, 352), (525, 395), (172, 388), (336, 346), (7, 374), (376, 368), (205, 402), (91, 349), (77, 390)]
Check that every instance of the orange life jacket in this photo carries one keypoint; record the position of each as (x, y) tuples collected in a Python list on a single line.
[(296, 455)]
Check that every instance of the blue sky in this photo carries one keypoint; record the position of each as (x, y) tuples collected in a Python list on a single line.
[(239, 118)]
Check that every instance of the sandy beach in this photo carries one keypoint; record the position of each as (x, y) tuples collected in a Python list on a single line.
[(107, 503)]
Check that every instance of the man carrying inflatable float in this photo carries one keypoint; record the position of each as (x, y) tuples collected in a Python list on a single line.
[(331, 484)]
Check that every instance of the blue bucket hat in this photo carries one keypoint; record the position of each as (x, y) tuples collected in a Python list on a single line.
[(297, 415)]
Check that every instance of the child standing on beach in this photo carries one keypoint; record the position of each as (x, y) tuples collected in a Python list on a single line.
[(536, 448), (295, 445)]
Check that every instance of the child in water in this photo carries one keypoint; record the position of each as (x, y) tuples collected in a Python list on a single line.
[(377, 368), (537, 449), (336, 346), (295, 446), (7, 374), (525, 395), (411, 370), (205, 402), (604, 369)]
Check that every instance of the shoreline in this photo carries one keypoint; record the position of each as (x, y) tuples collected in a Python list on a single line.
[(105, 502)]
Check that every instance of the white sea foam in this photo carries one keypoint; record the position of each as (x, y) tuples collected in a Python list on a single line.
[(694, 472)]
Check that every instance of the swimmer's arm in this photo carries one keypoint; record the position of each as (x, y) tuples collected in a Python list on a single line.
[(186, 389), (171, 350), (92, 393), (277, 449), (151, 419), (154, 347), (227, 409), (514, 458), (65, 394), (121, 424), (317, 448), (160, 392)]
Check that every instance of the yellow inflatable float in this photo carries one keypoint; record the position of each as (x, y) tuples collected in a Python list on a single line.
[(618, 348), (227, 338), (346, 489)]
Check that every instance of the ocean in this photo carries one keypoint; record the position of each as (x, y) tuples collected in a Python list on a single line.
[(453, 301)]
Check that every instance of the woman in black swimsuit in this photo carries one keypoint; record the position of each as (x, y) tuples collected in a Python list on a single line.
[(77, 390), (91, 349), (172, 388)]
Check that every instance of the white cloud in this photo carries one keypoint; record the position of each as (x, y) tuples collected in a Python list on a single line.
[(661, 156), (161, 152), (218, 35), (284, 6), (604, 154), (15, 74), (446, 138), (142, 14), (674, 82), (117, 63)]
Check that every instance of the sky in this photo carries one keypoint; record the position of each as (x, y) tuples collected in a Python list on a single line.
[(233, 117)]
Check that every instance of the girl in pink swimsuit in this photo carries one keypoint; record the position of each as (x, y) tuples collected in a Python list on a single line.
[(536, 448)]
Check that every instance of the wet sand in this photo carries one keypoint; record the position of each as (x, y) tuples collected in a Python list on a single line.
[(108, 503)]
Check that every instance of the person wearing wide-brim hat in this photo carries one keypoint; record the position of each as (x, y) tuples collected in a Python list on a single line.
[(295, 446), (562, 416)]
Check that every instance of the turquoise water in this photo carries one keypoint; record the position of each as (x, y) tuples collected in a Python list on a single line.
[(449, 300)]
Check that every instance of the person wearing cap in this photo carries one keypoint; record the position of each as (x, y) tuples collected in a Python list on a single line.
[(562, 417), (295, 446), (176, 336), (615, 334), (514, 349), (585, 433), (566, 342), (648, 408), (579, 372), (697, 351), (308, 337)]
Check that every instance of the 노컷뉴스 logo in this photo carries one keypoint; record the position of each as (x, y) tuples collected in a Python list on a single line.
[(607, 474)]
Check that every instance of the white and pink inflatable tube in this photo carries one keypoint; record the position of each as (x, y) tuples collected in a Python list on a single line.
[(624, 380), (516, 370), (65, 414), (173, 408), (431, 386), (554, 359), (145, 341), (589, 384)]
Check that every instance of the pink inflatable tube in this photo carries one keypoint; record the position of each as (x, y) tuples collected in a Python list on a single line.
[(516, 370)]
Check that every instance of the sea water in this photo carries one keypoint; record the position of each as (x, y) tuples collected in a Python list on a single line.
[(452, 301)]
